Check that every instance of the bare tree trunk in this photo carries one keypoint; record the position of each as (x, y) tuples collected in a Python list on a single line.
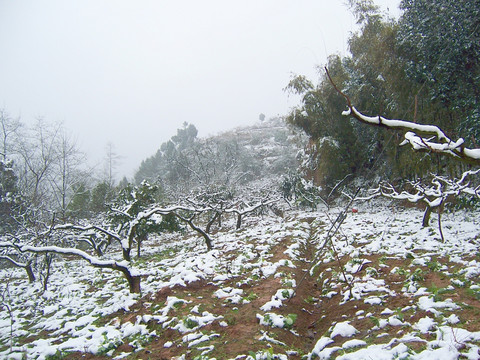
[(98, 251), (440, 208), (239, 221), (126, 254), (46, 276), (208, 241), (31, 275), (211, 221), (133, 282), (426, 216), (140, 241), (27, 266)]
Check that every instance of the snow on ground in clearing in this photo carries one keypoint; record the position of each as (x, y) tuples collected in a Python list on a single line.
[(80, 297)]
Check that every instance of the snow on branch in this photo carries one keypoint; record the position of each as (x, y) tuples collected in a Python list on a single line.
[(420, 137), (441, 187), (122, 266), (88, 228), (13, 261), (433, 195)]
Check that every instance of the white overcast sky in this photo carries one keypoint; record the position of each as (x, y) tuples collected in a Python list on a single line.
[(131, 72)]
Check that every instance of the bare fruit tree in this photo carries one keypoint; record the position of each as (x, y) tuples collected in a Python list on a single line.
[(426, 138)]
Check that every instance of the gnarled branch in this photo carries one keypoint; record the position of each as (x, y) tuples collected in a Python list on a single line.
[(415, 133)]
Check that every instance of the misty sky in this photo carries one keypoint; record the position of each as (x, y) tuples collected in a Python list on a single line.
[(132, 72)]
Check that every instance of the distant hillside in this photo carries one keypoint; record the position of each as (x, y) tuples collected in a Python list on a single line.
[(266, 150)]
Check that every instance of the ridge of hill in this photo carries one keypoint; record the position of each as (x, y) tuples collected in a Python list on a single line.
[(266, 150)]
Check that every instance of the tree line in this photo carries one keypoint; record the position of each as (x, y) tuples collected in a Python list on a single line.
[(423, 67)]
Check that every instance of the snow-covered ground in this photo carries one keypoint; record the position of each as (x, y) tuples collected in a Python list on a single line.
[(405, 293)]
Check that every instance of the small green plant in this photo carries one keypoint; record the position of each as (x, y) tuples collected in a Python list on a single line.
[(375, 321), (418, 275), (356, 261), (372, 272), (289, 321), (59, 355), (402, 271), (178, 304), (250, 297), (286, 294), (140, 340), (230, 319), (434, 265), (473, 293), (399, 314), (435, 292), (190, 323), (264, 355), (109, 345)]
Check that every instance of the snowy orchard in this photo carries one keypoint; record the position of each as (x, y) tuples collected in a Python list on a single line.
[(407, 294)]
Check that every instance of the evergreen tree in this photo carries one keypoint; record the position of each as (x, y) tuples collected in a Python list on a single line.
[(79, 206), (441, 46), (11, 203), (101, 195), (131, 201)]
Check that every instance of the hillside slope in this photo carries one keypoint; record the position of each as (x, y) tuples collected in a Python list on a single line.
[(244, 156)]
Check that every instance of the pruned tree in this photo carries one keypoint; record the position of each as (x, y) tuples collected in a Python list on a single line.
[(425, 138), (188, 216), (123, 267), (20, 261), (242, 208), (130, 202), (434, 195), (65, 239)]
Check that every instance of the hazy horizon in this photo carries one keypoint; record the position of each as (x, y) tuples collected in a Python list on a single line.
[(131, 73)]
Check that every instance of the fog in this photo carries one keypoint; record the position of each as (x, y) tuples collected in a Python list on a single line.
[(131, 72)]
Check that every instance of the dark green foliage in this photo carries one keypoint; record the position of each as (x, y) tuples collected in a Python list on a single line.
[(11, 202), (169, 223), (424, 67), (130, 202), (170, 164), (441, 47), (79, 206), (101, 195), (333, 140)]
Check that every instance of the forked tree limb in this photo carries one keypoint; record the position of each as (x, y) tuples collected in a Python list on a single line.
[(438, 141)]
